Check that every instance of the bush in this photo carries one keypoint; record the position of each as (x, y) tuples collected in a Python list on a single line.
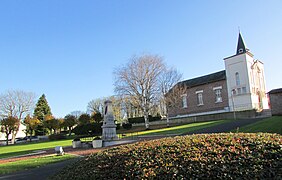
[(142, 120), (118, 126), (53, 137), (88, 129), (213, 156), (127, 126)]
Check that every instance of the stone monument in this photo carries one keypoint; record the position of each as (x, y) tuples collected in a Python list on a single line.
[(109, 127)]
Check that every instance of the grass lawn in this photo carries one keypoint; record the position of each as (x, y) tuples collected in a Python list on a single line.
[(269, 125), (20, 149), (177, 129), (10, 167)]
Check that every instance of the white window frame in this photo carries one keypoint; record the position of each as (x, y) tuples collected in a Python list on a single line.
[(237, 79), (200, 97), (184, 101), (218, 94)]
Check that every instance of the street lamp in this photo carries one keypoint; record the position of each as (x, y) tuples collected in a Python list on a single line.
[(232, 97)]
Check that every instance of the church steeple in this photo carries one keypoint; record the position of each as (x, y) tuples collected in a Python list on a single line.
[(241, 45)]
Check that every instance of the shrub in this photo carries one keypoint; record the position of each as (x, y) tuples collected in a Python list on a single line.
[(118, 126), (97, 117), (142, 120), (88, 129), (53, 137), (213, 156), (127, 126)]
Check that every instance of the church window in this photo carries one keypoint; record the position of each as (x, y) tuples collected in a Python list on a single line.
[(200, 98), (244, 90), (237, 79), (184, 101), (218, 97), (239, 91), (241, 50)]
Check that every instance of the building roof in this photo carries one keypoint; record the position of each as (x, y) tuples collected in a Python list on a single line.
[(218, 76), (241, 48), (274, 91)]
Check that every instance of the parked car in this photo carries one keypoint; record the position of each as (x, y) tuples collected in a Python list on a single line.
[(20, 140), (31, 138)]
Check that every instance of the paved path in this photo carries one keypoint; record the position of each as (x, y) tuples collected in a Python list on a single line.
[(44, 172)]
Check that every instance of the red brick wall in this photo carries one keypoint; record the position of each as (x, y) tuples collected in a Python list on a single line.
[(276, 103), (208, 99)]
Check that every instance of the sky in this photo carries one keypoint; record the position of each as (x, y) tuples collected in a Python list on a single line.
[(68, 49)]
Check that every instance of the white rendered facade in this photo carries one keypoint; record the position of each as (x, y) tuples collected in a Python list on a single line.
[(245, 81)]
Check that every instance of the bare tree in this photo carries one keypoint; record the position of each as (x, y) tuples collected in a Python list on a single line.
[(95, 105), (174, 99), (138, 79), (76, 114), (168, 79), (16, 104), (117, 108)]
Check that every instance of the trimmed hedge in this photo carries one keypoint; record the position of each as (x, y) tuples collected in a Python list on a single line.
[(53, 137), (142, 120), (88, 129), (127, 126), (213, 156)]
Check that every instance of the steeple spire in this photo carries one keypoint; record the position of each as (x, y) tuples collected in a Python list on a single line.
[(241, 45)]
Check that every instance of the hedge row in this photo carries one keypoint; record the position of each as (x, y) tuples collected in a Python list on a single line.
[(214, 156), (88, 129), (142, 120)]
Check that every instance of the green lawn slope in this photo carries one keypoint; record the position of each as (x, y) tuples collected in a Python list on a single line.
[(269, 125)]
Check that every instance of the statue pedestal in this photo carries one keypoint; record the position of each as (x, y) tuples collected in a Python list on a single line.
[(109, 132)]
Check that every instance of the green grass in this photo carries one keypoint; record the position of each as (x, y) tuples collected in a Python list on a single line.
[(20, 149), (10, 167), (177, 129), (269, 125)]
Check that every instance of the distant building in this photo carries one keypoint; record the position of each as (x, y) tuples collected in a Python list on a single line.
[(241, 86), (275, 97)]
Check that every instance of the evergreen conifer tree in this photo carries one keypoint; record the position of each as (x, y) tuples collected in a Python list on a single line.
[(42, 108)]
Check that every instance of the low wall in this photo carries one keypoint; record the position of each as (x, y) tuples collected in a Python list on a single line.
[(202, 118)]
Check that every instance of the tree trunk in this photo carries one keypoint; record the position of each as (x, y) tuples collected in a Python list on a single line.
[(167, 117), (7, 139), (14, 133), (146, 119), (69, 131)]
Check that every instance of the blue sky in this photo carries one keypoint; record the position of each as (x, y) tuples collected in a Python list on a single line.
[(68, 49)]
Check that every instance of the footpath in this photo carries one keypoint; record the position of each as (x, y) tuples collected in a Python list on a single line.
[(44, 172)]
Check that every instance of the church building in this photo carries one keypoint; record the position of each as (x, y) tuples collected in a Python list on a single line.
[(240, 87)]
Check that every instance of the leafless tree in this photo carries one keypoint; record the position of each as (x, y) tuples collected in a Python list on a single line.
[(139, 79), (168, 79), (174, 99), (76, 114), (95, 105), (16, 103)]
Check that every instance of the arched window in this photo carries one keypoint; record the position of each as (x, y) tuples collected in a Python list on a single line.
[(237, 79)]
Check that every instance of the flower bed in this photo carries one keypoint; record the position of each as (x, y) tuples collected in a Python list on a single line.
[(217, 156)]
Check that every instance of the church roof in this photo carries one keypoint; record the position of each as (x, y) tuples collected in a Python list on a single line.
[(274, 91), (218, 76), (241, 48)]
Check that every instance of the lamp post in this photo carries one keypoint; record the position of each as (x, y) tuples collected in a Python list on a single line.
[(232, 97)]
